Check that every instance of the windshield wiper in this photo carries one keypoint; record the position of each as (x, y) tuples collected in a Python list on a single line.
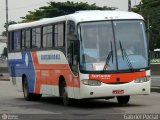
[(110, 54), (124, 54)]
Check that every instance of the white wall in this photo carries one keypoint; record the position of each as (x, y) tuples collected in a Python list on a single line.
[(2, 46)]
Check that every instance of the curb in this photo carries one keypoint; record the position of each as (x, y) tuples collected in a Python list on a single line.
[(155, 89), (4, 79)]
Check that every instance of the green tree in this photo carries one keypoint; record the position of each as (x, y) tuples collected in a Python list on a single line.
[(9, 23), (5, 53), (150, 10), (61, 8)]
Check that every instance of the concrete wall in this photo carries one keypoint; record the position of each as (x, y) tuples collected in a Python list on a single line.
[(155, 69), (3, 69), (2, 46), (3, 66)]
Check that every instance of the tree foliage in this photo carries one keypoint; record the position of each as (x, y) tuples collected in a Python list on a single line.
[(9, 23), (5, 53), (150, 9), (55, 9)]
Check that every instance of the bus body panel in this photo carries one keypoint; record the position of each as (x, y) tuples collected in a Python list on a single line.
[(47, 77), (43, 70), (109, 90), (106, 90), (117, 78), (20, 64)]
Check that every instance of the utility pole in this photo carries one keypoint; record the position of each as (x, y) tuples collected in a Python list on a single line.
[(129, 5), (140, 7), (135, 2), (7, 18), (148, 26)]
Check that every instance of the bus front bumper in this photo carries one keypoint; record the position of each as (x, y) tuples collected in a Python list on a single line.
[(110, 90)]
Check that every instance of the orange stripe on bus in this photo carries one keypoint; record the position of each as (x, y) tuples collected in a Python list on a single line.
[(113, 78), (49, 74)]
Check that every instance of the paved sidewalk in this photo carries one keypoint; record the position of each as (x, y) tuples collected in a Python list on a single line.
[(4, 77)]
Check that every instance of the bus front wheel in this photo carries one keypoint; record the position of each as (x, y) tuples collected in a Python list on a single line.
[(64, 94), (123, 99)]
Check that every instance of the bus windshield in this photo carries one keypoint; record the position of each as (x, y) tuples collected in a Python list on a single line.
[(113, 45)]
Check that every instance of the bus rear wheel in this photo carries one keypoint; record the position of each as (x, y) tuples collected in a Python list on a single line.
[(123, 99), (29, 96)]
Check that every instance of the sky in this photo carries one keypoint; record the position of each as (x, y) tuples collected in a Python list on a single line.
[(19, 8)]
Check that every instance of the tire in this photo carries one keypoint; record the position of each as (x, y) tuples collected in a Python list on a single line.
[(29, 96), (123, 99), (64, 94), (36, 96)]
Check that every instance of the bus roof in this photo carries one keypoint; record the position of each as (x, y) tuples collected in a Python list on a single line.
[(80, 16)]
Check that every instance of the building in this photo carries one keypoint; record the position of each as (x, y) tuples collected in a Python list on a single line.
[(2, 44), (3, 39)]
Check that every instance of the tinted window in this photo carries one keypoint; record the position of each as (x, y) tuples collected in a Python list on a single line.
[(10, 41), (56, 35), (59, 34), (28, 38), (36, 38), (47, 36), (23, 39), (17, 39)]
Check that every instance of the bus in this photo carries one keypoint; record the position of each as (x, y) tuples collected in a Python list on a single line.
[(155, 56), (84, 55)]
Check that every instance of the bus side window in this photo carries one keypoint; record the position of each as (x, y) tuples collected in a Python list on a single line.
[(59, 33), (71, 32), (28, 38), (47, 36), (23, 39), (36, 37), (10, 41), (72, 56), (17, 40)]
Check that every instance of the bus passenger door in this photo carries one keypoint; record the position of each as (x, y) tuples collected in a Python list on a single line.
[(73, 55), (72, 47), (73, 63)]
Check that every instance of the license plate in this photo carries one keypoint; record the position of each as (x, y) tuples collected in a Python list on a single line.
[(118, 91)]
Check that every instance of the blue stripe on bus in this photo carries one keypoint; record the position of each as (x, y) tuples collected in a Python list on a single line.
[(18, 67)]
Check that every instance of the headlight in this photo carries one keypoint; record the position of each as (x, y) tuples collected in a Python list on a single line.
[(91, 82), (142, 79)]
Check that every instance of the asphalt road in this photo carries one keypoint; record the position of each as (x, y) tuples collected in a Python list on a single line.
[(155, 81), (13, 104)]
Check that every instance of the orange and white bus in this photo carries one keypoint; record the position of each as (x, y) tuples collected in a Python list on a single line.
[(88, 54)]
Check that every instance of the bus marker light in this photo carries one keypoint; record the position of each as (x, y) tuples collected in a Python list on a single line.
[(91, 82), (91, 93), (143, 89), (148, 78), (142, 79)]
